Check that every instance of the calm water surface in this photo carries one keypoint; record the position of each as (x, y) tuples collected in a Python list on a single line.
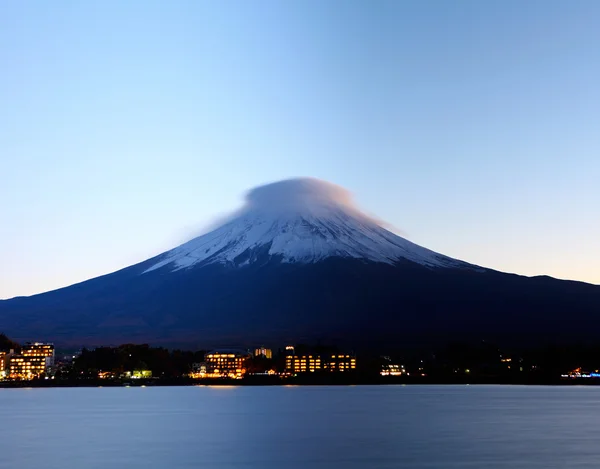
[(301, 427)]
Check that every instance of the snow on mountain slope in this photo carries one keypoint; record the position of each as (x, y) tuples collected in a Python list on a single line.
[(299, 220)]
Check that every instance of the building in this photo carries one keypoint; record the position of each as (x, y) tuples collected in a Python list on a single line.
[(264, 353), (136, 374), (340, 362), (226, 363), (38, 349), (3, 364), (21, 367), (391, 369), (303, 363), (310, 363), (199, 370), (34, 360)]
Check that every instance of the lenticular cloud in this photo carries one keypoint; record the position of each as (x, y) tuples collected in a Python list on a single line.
[(298, 193)]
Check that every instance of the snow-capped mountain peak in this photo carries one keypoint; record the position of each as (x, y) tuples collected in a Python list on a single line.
[(300, 220)]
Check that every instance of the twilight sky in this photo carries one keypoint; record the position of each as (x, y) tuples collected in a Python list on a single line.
[(125, 127)]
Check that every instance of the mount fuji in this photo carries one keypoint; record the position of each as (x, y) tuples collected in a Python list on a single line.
[(300, 262)]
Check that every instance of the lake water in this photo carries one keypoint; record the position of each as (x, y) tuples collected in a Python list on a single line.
[(301, 427)]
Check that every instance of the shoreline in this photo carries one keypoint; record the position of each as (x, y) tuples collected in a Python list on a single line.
[(297, 381)]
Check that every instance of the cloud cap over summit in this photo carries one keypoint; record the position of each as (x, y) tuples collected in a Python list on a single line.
[(298, 193)]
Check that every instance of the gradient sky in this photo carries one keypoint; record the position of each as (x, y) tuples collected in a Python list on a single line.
[(473, 127)]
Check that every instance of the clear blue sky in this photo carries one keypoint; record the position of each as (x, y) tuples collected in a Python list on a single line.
[(472, 126)]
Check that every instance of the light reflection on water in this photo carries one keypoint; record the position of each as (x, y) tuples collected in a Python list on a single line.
[(301, 427)]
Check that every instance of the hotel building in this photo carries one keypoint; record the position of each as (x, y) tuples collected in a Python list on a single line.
[(34, 360), (340, 363), (226, 363), (263, 352), (199, 370), (303, 363), (392, 369), (3, 364), (37, 349), (21, 367), (310, 363)]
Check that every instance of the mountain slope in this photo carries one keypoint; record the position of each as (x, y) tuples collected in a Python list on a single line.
[(300, 263)]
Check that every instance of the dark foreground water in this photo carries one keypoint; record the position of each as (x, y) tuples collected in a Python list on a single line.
[(301, 427)]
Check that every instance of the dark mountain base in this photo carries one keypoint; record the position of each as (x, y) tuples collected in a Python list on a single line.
[(347, 302)]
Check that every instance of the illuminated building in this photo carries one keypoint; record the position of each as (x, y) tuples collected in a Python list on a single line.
[(303, 363), (340, 363), (137, 374), (21, 367), (226, 363), (393, 370), (390, 369), (263, 352), (3, 364), (35, 359), (199, 370), (319, 362), (37, 349)]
